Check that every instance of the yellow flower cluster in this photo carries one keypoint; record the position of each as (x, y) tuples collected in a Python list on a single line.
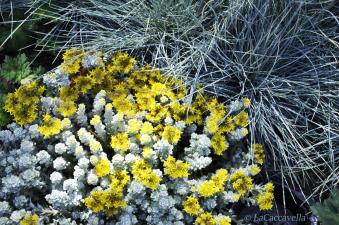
[(191, 205), (30, 219), (51, 126), (102, 168), (215, 185), (265, 199), (120, 142), (205, 219), (241, 119), (122, 63), (67, 108), (119, 180), (22, 104), (259, 153), (171, 134), (240, 182), (143, 173), (108, 201), (175, 168), (72, 59)]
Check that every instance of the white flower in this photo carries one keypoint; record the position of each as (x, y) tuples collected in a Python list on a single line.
[(43, 157), (60, 148), (70, 185), (17, 215), (92, 178), (83, 163), (145, 139), (60, 163), (4, 207), (56, 177), (58, 198)]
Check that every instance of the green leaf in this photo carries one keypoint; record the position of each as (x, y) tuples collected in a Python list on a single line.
[(328, 212), (15, 69)]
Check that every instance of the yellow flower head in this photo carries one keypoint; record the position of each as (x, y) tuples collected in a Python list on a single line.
[(191, 206), (259, 153), (134, 126), (223, 220), (119, 180), (83, 84), (32, 219), (122, 63), (102, 168), (120, 142), (171, 134), (241, 119), (67, 108), (219, 144), (208, 189), (175, 168), (240, 182), (146, 128), (205, 219), (50, 127)]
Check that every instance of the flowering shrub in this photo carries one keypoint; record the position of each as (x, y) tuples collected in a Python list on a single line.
[(102, 141)]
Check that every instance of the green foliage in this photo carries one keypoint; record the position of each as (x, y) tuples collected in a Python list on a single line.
[(4, 116), (18, 68), (328, 212)]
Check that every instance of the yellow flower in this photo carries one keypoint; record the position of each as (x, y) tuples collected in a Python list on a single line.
[(121, 63), (72, 59), (223, 220), (83, 84), (219, 144), (259, 153), (142, 172), (119, 180), (171, 134), (50, 127), (120, 142), (22, 104), (30, 220), (175, 168), (205, 219), (191, 206), (246, 102), (68, 93), (67, 108), (134, 126), (240, 182), (96, 201), (208, 189), (265, 199), (241, 119), (95, 146), (147, 152), (102, 168), (145, 100), (146, 128), (95, 120), (254, 169)]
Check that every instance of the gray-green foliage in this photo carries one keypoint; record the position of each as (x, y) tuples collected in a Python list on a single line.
[(328, 212), (15, 69)]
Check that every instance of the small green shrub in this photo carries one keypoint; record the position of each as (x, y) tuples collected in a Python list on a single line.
[(328, 212)]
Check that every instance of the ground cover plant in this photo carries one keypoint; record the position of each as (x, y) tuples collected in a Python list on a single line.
[(104, 140), (281, 54)]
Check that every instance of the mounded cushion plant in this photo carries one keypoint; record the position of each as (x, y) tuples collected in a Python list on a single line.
[(103, 140)]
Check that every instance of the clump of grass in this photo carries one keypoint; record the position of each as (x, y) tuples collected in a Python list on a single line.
[(281, 54)]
